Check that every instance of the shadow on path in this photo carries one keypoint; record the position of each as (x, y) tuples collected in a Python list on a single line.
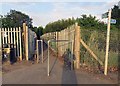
[(68, 74), (53, 65), (69, 77)]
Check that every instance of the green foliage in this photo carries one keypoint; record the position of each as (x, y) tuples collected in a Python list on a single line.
[(96, 40), (88, 22), (58, 25), (15, 19), (85, 22), (38, 31), (116, 15), (34, 29)]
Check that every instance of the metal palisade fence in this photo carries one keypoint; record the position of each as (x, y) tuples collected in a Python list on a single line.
[(23, 40)]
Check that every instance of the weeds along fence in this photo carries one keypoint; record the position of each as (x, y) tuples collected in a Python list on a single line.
[(96, 40), (23, 40)]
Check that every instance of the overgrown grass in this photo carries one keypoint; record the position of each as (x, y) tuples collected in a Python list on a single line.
[(113, 59), (96, 40)]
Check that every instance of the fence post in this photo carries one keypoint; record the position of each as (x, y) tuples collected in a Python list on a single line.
[(24, 38), (3, 41), (0, 42), (72, 55), (107, 43), (27, 49), (77, 45), (64, 39), (25, 41), (57, 43)]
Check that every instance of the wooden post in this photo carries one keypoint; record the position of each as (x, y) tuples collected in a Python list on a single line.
[(77, 45), (0, 42), (107, 42), (60, 43), (64, 42), (65, 39), (72, 55), (25, 32), (56, 37), (27, 53), (3, 36), (91, 52), (20, 44), (67, 45), (57, 42), (24, 38)]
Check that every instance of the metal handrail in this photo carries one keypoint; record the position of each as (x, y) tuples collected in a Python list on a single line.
[(52, 40)]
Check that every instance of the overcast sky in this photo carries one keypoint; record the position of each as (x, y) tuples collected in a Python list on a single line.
[(45, 12)]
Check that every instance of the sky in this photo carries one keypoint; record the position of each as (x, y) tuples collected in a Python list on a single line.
[(43, 12)]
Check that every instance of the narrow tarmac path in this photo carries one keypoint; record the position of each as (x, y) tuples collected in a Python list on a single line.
[(37, 74)]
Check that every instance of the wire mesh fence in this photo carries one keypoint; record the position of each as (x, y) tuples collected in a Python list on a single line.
[(96, 40)]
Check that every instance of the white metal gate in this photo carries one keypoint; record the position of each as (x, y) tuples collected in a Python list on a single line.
[(12, 36)]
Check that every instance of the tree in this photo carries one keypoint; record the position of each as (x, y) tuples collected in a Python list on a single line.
[(116, 15), (89, 22), (15, 19), (59, 25), (39, 32)]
